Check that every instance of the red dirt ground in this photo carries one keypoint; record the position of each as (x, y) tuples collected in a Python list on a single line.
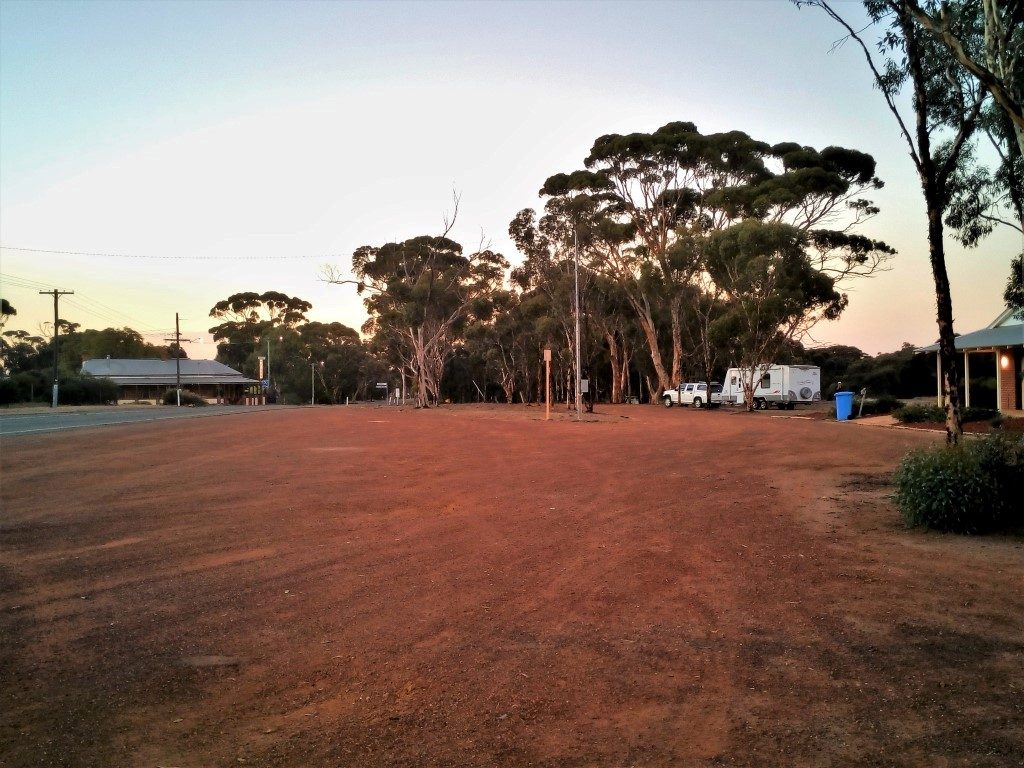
[(474, 587)]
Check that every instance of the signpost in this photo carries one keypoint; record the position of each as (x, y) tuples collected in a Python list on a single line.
[(547, 384)]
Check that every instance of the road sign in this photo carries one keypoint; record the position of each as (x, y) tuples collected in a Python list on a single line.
[(265, 384), (381, 385)]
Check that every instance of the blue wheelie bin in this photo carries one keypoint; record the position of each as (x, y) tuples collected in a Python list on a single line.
[(844, 405)]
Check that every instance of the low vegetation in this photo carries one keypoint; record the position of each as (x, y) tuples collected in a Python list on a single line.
[(932, 414), (187, 398), (974, 487), (35, 386)]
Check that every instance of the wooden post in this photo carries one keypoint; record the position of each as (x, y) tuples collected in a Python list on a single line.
[(547, 385), (967, 379)]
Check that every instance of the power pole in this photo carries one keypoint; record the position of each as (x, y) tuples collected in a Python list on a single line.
[(56, 334), (177, 357)]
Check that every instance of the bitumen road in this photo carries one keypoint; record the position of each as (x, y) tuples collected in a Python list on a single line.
[(13, 423)]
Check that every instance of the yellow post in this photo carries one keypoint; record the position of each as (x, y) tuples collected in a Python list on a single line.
[(547, 385)]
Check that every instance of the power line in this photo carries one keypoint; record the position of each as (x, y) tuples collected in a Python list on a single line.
[(82, 302), (166, 258)]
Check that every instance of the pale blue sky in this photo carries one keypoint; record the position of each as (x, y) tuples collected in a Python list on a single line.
[(308, 129)]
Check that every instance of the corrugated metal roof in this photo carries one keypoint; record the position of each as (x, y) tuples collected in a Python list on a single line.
[(1003, 336), (124, 371)]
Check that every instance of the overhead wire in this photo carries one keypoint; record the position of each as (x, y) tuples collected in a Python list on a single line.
[(100, 254)]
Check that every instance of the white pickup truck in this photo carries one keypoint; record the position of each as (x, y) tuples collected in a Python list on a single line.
[(693, 393)]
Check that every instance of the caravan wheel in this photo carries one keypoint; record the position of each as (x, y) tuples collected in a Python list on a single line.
[(761, 404)]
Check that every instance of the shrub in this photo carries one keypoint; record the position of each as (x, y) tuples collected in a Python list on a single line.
[(971, 488), (878, 406), (8, 391), (87, 390), (187, 398), (978, 414), (916, 414)]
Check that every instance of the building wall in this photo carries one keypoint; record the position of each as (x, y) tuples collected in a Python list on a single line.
[(1009, 378)]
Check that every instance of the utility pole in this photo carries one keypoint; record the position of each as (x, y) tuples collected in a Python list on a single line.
[(56, 334), (177, 357)]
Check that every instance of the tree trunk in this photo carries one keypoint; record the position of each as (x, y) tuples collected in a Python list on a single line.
[(616, 360), (651, 334), (675, 307), (934, 186), (944, 318), (625, 387)]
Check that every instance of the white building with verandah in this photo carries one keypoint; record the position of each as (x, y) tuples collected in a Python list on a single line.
[(148, 380)]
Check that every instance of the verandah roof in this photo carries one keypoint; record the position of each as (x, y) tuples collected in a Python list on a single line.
[(162, 372), (986, 338)]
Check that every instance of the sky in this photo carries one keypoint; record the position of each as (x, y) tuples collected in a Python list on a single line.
[(199, 149)]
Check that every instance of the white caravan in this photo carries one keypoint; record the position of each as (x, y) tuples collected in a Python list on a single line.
[(780, 385)]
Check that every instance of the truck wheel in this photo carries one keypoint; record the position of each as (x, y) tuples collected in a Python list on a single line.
[(698, 403), (668, 402)]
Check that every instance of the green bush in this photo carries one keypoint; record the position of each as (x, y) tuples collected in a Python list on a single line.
[(86, 390), (8, 391), (187, 398), (878, 406), (916, 414), (971, 488), (978, 414)]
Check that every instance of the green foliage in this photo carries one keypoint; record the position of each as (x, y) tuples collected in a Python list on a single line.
[(1014, 295), (86, 390), (978, 414), (249, 316), (187, 398), (8, 391), (917, 414), (34, 386), (970, 488), (92, 344), (881, 405)]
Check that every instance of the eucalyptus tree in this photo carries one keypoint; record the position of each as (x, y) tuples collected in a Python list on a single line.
[(773, 289), (644, 190), (422, 293), (947, 102), (550, 271), (1014, 294), (996, 60), (247, 316)]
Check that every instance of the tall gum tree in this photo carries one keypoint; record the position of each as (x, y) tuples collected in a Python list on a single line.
[(247, 316), (772, 289), (648, 189), (421, 294), (947, 102)]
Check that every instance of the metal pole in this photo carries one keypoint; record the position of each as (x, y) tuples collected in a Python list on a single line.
[(579, 395), (312, 383), (177, 357), (268, 363)]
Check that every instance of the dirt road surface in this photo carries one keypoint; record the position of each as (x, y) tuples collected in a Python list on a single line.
[(473, 586)]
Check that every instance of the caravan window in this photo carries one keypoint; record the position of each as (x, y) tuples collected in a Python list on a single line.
[(732, 381), (766, 382)]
